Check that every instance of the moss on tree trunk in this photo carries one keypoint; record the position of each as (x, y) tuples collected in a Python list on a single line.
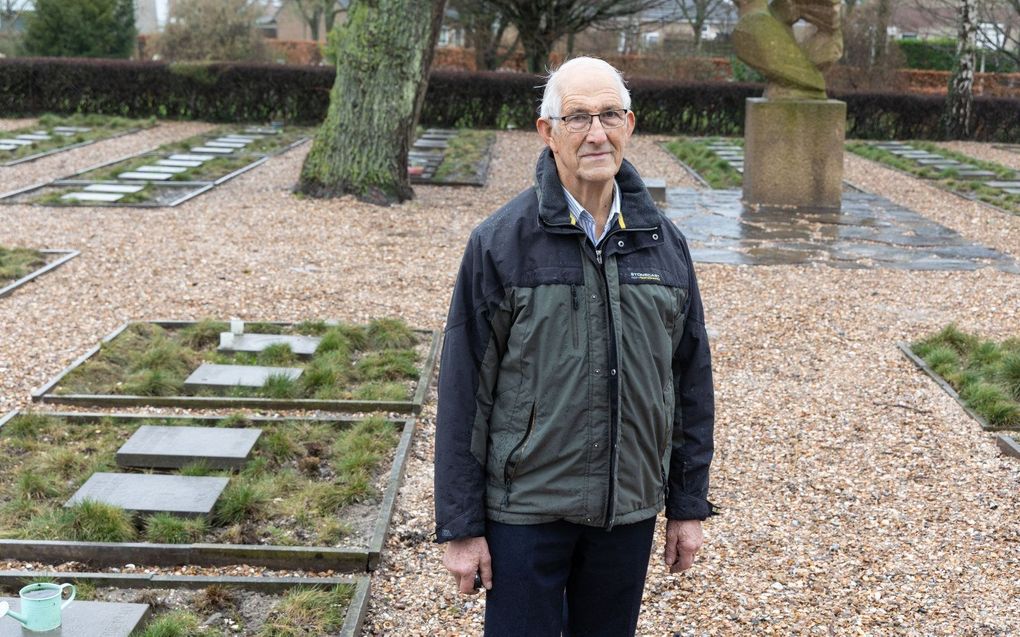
[(383, 57)]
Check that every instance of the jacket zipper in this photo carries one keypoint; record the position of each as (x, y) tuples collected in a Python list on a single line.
[(573, 317), (613, 390), (510, 467)]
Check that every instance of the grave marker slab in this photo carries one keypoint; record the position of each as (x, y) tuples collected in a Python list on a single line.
[(92, 196), (939, 162), (431, 143), (199, 158), (17, 142), (1003, 184), (188, 496), (121, 188), (84, 619), (145, 176), (1011, 191), (975, 174), (170, 170), (4, 146), (211, 150), (178, 162), (72, 129), (300, 345), (219, 144), (226, 376), (158, 447), (35, 137)]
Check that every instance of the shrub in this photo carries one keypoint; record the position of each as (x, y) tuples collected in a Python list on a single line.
[(212, 30), (81, 28)]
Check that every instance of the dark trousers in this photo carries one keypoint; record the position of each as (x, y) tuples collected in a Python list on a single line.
[(562, 578)]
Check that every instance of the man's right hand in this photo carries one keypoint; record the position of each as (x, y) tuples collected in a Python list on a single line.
[(466, 557)]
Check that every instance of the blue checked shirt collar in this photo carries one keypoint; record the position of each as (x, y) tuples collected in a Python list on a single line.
[(584, 219)]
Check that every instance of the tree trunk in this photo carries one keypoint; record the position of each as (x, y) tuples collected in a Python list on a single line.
[(958, 118), (536, 53), (383, 59), (882, 35)]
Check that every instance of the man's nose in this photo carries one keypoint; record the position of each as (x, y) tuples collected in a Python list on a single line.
[(596, 133)]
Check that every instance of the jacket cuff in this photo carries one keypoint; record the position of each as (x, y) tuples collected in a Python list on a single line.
[(689, 507), (458, 528)]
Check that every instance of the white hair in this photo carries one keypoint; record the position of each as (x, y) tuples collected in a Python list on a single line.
[(552, 101)]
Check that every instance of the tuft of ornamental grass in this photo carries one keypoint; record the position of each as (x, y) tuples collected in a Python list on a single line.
[(178, 623), (18, 262), (214, 597), (309, 611), (381, 391), (65, 463), (311, 328), (240, 502), (335, 342), (281, 386), (202, 334), (391, 364), (334, 532), (390, 333), (164, 528), (32, 484), (985, 374), (86, 521), (29, 425), (278, 355), (278, 445), (198, 468), (153, 382)]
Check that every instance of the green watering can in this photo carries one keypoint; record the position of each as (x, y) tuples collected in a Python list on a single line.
[(41, 604)]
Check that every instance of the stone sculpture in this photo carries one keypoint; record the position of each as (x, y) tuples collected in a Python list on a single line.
[(764, 39)]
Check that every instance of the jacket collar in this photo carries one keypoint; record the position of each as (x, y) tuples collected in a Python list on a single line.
[(636, 206)]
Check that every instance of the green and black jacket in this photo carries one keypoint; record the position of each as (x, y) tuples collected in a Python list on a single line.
[(576, 382)]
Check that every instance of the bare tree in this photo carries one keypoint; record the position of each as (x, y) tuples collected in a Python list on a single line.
[(697, 12), (318, 12), (541, 23), (958, 118), (484, 28)]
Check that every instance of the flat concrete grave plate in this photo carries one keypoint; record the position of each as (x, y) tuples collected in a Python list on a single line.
[(35, 137), (72, 129), (939, 162), (121, 188), (1003, 184), (212, 150), (188, 496), (1011, 191), (223, 144), (170, 170), (247, 139), (199, 158), (8, 146), (93, 196), (976, 174), (18, 142), (223, 376), (430, 143), (83, 619), (158, 447), (145, 176), (299, 345), (179, 163)]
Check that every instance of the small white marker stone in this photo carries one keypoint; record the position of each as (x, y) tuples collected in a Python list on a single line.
[(145, 176), (121, 188), (92, 196)]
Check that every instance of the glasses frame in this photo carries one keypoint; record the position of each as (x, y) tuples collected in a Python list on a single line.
[(591, 119)]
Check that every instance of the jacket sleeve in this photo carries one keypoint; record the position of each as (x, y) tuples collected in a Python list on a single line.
[(693, 446), (471, 350)]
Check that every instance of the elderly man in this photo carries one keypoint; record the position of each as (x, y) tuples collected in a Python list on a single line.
[(575, 397)]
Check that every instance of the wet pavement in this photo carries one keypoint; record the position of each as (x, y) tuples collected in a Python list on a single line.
[(869, 232)]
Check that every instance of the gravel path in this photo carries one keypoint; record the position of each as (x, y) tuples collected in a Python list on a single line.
[(857, 497), (14, 124)]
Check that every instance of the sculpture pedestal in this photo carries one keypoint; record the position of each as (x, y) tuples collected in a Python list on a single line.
[(793, 153)]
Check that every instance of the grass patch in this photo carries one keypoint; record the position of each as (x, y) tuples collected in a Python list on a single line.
[(18, 262), (309, 611), (715, 170), (985, 374), (294, 491), (377, 361), (465, 157), (947, 178)]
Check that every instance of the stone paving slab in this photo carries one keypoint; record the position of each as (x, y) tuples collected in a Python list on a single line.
[(180, 163), (83, 619), (17, 142), (187, 157), (93, 196), (170, 170), (211, 150), (35, 137), (187, 496), (299, 345), (121, 188), (159, 447), (869, 232), (145, 176), (4, 146), (1003, 184), (219, 144), (225, 376)]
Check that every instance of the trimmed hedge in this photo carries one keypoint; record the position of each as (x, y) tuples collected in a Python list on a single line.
[(259, 93), (939, 54)]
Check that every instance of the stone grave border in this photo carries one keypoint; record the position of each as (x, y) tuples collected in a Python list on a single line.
[(352, 622), (61, 149), (44, 394), (66, 255), (344, 560), (1006, 444), (482, 174)]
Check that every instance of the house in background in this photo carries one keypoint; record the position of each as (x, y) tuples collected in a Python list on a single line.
[(284, 20)]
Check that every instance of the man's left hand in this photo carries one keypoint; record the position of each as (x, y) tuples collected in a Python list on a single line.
[(683, 540)]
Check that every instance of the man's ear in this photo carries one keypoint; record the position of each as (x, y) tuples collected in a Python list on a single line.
[(545, 130)]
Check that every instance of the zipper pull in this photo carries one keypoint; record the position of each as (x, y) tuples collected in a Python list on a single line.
[(573, 296), (598, 256)]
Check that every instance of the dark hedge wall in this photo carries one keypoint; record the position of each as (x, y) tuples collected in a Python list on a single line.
[(259, 93)]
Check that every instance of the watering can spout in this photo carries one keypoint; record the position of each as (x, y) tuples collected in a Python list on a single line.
[(5, 609)]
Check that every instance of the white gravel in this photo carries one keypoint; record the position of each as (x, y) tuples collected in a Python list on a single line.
[(857, 497)]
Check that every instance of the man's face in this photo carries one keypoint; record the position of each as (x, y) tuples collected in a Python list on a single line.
[(593, 156)]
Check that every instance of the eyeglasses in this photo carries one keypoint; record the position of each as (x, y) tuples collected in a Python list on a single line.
[(581, 122)]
